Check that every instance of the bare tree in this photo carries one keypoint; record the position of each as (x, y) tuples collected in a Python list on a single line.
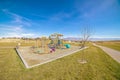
[(85, 35)]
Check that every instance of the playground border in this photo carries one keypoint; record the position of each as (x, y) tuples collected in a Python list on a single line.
[(24, 62), (26, 65)]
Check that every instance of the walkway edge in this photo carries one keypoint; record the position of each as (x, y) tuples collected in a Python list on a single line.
[(24, 62), (26, 65), (114, 54), (57, 58)]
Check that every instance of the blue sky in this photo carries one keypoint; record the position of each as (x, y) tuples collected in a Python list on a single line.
[(34, 18)]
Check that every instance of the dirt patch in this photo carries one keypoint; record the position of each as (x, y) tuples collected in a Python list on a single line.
[(32, 59)]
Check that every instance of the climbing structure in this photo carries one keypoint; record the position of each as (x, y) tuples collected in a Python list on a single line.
[(56, 40), (41, 45), (44, 45)]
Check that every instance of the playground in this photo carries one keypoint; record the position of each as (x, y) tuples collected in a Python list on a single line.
[(31, 59), (45, 50)]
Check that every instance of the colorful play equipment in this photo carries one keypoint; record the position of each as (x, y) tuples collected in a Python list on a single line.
[(67, 45), (52, 50), (56, 40), (45, 45)]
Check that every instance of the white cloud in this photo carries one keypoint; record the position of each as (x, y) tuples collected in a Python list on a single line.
[(16, 27), (14, 34), (28, 35), (15, 31), (11, 28), (17, 19)]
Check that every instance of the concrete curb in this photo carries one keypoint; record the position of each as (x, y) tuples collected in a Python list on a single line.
[(26, 65), (24, 62)]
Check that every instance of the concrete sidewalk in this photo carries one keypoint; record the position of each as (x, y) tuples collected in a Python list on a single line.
[(113, 53)]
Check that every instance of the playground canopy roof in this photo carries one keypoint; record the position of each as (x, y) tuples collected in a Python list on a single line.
[(56, 35)]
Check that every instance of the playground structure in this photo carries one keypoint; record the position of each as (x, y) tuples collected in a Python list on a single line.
[(49, 45), (56, 40), (41, 46)]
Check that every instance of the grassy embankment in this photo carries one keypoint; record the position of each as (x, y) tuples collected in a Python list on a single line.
[(111, 44), (100, 66)]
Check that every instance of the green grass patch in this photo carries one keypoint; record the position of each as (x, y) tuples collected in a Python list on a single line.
[(100, 66), (111, 44)]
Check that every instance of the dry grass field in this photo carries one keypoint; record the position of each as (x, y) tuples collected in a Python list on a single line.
[(111, 44), (99, 66)]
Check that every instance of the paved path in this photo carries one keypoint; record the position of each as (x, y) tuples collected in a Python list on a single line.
[(113, 53)]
